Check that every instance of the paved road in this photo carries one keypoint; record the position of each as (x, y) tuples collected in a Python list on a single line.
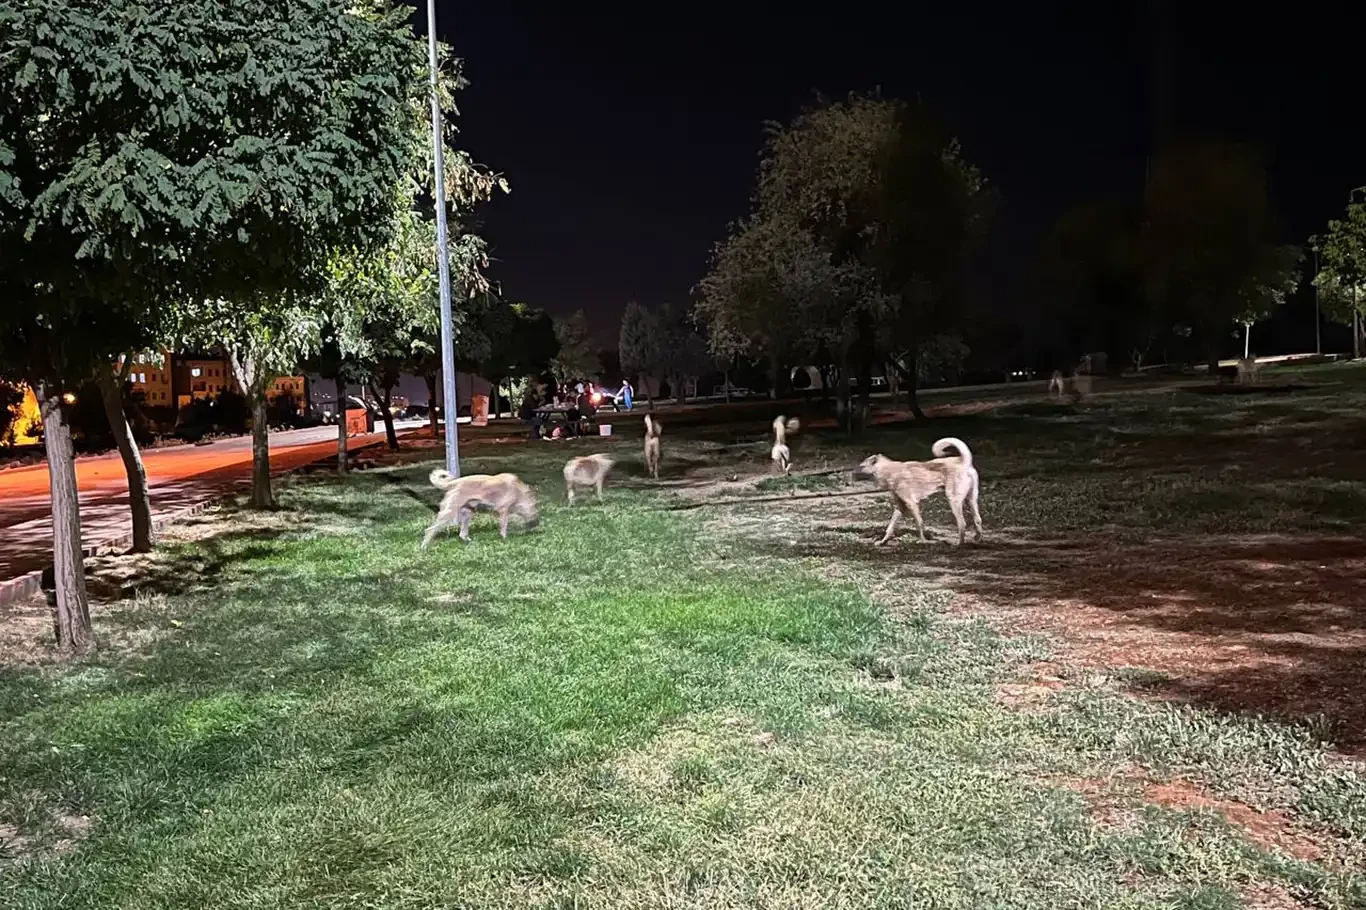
[(177, 477)]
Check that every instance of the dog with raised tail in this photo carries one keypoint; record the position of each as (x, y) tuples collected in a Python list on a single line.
[(653, 429), (504, 494), (781, 454), (586, 471), (910, 482)]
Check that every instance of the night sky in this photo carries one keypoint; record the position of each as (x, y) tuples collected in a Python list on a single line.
[(631, 138)]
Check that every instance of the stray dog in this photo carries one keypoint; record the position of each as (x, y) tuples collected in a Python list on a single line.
[(652, 449), (1081, 386), (501, 493), (909, 482), (1057, 386), (586, 471), (781, 454)]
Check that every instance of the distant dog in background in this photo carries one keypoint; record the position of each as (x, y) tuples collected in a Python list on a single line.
[(501, 493), (586, 471), (652, 447), (910, 482), (781, 454), (1081, 386)]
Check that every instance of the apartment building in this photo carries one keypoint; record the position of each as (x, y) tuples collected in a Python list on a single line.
[(199, 377), (153, 379)]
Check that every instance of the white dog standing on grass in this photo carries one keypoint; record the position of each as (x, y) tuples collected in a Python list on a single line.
[(910, 482), (501, 493), (653, 430), (586, 471), (781, 454)]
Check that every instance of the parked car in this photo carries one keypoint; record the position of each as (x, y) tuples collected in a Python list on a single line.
[(736, 391), (1023, 375)]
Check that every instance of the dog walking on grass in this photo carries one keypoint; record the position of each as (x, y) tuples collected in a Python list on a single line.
[(781, 454), (501, 493), (586, 471), (910, 482), (653, 429)]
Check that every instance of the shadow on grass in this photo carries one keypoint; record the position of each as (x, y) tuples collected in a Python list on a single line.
[(1270, 625)]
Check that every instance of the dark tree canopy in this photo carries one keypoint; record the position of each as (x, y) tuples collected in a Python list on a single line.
[(152, 153)]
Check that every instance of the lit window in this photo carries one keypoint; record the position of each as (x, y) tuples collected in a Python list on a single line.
[(142, 378), (195, 371)]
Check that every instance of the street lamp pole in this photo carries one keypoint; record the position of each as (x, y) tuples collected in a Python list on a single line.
[(452, 409), (1318, 319)]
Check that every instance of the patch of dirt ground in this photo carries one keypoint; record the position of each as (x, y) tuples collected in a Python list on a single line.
[(1262, 624), (1113, 800), (1267, 624)]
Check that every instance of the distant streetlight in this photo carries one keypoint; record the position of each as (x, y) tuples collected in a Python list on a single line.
[(452, 409)]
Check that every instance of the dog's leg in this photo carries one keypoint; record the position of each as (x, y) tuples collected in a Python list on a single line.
[(976, 514), (956, 507), (914, 508), (569, 488), (503, 524), (891, 525), (600, 489), (465, 516), (434, 530)]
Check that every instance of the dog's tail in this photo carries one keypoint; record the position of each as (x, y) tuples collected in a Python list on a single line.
[(941, 449), (442, 478), (652, 428)]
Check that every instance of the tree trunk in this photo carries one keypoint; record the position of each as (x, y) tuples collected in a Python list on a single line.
[(261, 495), (865, 371), (431, 404), (342, 465), (725, 379), (680, 395), (773, 379), (1247, 339), (1356, 327), (74, 635), (844, 405), (912, 382), (139, 501), (384, 396), (251, 383)]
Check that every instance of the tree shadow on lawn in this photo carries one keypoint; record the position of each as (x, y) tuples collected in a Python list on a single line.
[(1262, 624)]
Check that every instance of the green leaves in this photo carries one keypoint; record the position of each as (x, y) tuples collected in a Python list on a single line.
[(1342, 276), (576, 358), (863, 214), (245, 137), (154, 155)]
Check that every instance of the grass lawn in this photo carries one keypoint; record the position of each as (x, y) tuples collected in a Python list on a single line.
[(713, 691)]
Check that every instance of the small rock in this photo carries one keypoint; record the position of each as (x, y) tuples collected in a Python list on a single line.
[(764, 740)]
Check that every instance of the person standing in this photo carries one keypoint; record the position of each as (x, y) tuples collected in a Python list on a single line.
[(626, 393)]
